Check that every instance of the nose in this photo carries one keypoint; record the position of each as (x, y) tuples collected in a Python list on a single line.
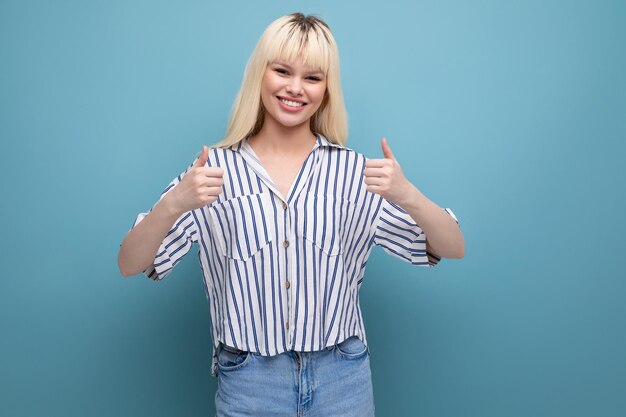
[(294, 87)]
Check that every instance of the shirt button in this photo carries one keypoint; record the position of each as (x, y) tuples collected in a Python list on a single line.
[(284, 206), (287, 325), (287, 285), (286, 243)]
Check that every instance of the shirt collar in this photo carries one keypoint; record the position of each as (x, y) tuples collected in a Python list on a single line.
[(321, 141)]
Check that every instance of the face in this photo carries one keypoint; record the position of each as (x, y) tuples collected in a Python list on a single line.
[(291, 93)]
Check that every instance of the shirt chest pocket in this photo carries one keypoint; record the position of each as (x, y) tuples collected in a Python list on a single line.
[(326, 221), (241, 225)]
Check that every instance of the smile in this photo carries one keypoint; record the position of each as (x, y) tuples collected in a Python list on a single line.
[(291, 103)]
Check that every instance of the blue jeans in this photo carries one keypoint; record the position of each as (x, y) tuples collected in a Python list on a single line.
[(334, 382)]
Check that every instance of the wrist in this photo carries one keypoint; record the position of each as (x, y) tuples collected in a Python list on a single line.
[(168, 208), (413, 200)]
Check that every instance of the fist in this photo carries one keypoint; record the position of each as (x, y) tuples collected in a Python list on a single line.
[(384, 177), (200, 186)]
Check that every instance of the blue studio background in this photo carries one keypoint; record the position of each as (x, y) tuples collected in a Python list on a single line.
[(510, 113)]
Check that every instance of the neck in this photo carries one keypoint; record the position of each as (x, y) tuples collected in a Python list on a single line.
[(278, 139)]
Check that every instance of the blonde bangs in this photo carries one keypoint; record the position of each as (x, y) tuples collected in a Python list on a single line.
[(290, 44)]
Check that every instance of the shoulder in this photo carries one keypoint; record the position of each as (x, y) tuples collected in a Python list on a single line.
[(348, 156), (344, 163), (219, 155), (338, 148)]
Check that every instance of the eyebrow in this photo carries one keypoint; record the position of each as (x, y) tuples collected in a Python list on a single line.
[(312, 71)]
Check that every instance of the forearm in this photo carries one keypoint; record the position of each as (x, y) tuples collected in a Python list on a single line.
[(141, 244), (442, 232)]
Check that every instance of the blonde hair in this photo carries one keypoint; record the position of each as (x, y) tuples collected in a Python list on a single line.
[(286, 39)]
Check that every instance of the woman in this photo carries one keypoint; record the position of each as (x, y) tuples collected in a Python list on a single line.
[(285, 217)]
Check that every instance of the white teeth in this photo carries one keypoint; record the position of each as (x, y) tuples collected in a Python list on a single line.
[(292, 103)]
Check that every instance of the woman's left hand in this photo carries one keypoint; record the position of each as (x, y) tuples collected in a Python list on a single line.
[(385, 177)]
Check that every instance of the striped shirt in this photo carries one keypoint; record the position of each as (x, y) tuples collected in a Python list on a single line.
[(284, 274)]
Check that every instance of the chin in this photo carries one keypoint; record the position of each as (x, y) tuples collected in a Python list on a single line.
[(288, 122)]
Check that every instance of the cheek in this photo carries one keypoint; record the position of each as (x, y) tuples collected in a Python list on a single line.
[(268, 85), (318, 95), (267, 95)]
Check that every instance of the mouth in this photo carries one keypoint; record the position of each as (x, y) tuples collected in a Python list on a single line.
[(290, 103)]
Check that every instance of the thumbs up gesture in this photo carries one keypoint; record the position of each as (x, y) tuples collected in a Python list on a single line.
[(199, 187), (384, 176)]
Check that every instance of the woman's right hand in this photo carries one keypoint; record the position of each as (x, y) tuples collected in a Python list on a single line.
[(199, 187)]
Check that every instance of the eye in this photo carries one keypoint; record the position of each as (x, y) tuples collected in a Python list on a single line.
[(281, 71), (314, 78)]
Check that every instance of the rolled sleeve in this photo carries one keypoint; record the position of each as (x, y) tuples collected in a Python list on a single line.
[(174, 247), (177, 242), (397, 234)]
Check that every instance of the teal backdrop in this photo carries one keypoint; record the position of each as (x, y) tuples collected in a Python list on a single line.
[(513, 114)]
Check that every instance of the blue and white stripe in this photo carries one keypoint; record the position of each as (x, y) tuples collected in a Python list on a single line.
[(284, 274)]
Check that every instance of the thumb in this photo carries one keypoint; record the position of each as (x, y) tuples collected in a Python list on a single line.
[(204, 155), (387, 150)]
